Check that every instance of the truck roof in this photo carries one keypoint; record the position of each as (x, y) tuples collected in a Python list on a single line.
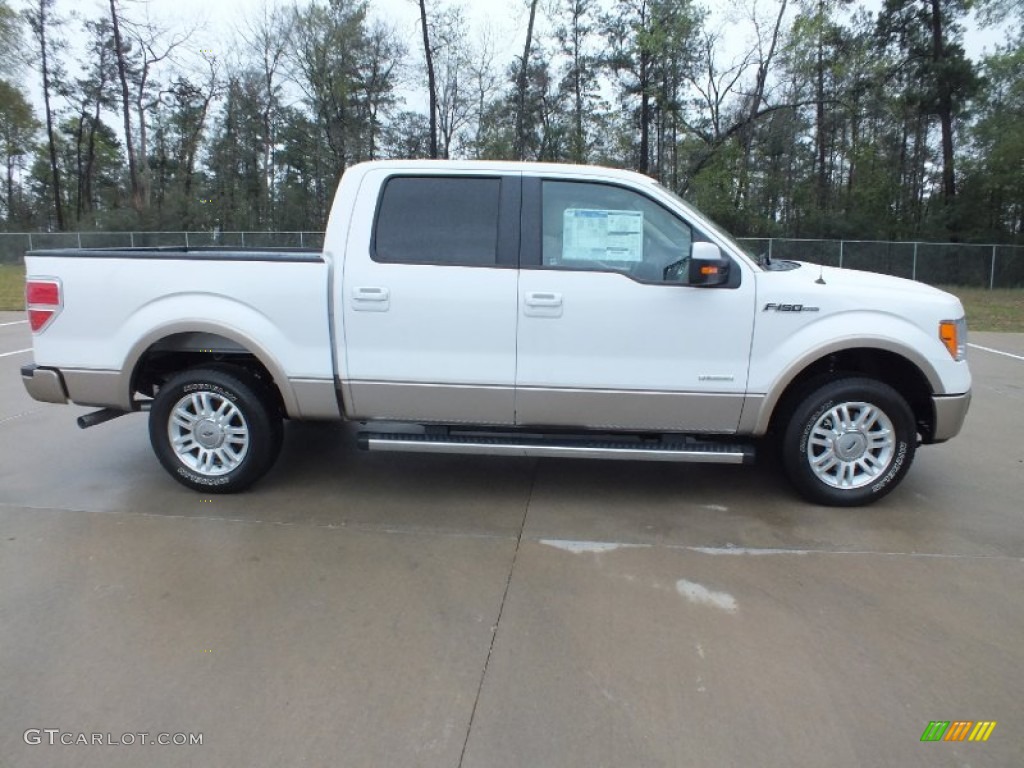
[(504, 166)]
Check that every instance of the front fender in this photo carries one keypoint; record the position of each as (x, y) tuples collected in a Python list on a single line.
[(818, 338)]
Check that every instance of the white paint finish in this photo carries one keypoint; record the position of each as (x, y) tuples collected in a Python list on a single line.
[(110, 304), (15, 352), (443, 326), (639, 339), (591, 547), (701, 595), (855, 309), (995, 351), (16, 322), (618, 334)]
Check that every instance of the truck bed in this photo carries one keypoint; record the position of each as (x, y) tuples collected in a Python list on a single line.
[(121, 304)]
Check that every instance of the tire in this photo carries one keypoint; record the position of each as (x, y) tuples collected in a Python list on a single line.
[(230, 450), (849, 442)]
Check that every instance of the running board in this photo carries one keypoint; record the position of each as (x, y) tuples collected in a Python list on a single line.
[(682, 451)]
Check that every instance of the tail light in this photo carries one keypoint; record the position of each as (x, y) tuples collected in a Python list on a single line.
[(43, 300)]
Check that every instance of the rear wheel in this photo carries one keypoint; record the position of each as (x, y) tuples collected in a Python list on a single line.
[(215, 430), (849, 442)]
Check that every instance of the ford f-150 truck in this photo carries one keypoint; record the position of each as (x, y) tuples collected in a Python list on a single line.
[(509, 309)]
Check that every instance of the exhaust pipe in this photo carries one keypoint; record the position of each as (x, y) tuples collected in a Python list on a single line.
[(99, 417)]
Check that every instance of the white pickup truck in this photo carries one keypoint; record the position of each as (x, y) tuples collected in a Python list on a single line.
[(509, 309)]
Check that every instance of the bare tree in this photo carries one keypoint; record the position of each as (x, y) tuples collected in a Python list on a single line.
[(455, 103), (431, 82), (149, 45), (199, 99), (485, 80), (382, 56), (121, 53), (766, 46), (41, 20), (267, 38), (524, 64), (92, 97)]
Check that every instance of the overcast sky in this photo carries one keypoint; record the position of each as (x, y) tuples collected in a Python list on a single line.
[(506, 21), (506, 17)]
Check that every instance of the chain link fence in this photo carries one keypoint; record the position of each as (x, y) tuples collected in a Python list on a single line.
[(981, 266), (962, 264)]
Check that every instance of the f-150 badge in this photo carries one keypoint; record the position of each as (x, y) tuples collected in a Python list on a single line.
[(789, 307)]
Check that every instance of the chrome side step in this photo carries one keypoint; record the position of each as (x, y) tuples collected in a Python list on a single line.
[(557, 447)]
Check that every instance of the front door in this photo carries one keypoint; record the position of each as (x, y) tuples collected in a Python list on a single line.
[(610, 336)]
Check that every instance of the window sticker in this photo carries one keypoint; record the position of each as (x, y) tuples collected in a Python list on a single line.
[(598, 235)]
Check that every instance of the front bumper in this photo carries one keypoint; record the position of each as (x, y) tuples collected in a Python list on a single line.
[(44, 384), (950, 412)]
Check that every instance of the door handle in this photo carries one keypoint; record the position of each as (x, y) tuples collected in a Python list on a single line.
[(370, 294), (371, 299), (543, 299)]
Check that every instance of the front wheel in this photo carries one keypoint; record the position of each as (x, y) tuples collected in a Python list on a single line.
[(849, 442), (215, 430)]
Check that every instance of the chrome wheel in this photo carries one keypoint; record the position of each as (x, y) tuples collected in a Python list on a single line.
[(851, 445), (208, 433)]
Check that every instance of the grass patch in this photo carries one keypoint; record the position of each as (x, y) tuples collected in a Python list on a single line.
[(1001, 309), (12, 286)]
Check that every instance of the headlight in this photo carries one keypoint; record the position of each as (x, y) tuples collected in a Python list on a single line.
[(953, 333)]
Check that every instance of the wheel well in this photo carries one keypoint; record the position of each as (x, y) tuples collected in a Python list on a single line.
[(882, 365), (181, 351)]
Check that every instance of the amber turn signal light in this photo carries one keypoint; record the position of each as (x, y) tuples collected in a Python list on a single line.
[(953, 334)]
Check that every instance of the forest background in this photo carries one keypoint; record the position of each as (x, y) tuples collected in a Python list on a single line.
[(778, 118)]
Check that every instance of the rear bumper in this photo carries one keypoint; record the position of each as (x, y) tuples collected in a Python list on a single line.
[(102, 389), (44, 384), (950, 412)]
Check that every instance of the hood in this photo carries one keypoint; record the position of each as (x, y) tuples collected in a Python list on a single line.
[(842, 290), (873, 281)]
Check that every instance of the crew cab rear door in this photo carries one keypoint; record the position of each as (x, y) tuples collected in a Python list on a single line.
[(428, 297), (608, 339)]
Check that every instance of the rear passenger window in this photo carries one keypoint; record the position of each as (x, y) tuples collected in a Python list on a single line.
[(431, 220)]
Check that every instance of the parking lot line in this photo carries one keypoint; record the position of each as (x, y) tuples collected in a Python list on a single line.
[(995, 351), (15, 352), (602, 547)]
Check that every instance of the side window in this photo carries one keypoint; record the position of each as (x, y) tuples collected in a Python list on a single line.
[(608, 228), (437, 220)]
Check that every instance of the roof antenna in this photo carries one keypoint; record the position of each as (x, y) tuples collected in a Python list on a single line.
[(821, 275)]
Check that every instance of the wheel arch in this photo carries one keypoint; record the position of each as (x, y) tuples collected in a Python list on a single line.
[(905, 371), (175, 347)]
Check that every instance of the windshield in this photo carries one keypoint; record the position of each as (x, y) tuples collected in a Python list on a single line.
[(706, 223)]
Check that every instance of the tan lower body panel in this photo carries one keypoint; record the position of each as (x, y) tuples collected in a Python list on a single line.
[(629, 410), (432, 403), (317, 399), (102, 389), (580, 408)]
